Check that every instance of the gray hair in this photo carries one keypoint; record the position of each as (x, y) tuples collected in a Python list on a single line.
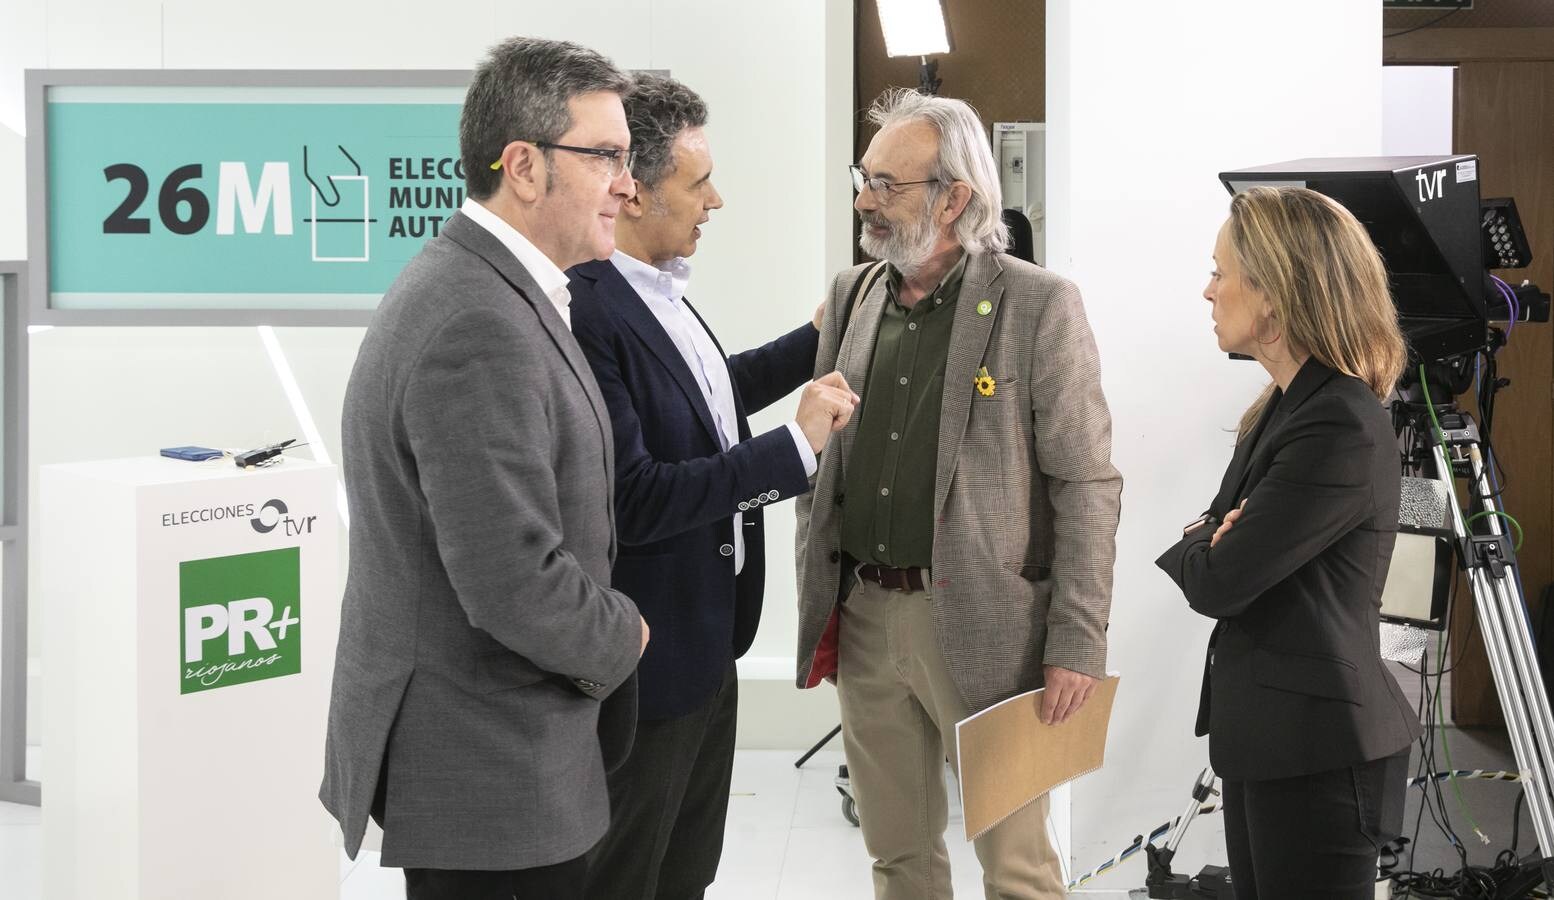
[(520, 93), (658, 108), (965, 155)]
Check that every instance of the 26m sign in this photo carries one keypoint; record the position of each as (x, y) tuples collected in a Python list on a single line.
[(183, 208)]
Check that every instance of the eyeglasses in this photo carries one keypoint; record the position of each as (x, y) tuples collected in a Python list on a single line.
[(881, 187), (619, 160)]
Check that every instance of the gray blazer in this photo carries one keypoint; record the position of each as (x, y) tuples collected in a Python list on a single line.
[(479, 637), (1025, 496)]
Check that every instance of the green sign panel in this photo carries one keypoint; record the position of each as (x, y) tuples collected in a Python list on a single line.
[(239, 619), (291, 198)]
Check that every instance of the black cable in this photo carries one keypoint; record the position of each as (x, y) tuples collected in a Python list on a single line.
[(1434, 804), (1516, 820), (1438, 810), (1413, 845), (1467, 639), (1430, 24), (1469, 882), (1489, 387)]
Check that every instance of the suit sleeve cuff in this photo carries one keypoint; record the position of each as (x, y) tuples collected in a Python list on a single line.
[(1171, 561), (801, 444)]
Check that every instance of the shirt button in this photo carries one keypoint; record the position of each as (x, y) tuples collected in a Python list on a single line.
[(884, 492), (726, 549), (836, 556), (938, 300), (894, 436), (881, 548), (903, 379), (911, 326)]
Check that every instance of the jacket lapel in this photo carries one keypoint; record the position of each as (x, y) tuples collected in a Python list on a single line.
[(742, 428), (1312, 376), (1241, 462), (624, 299), (485, 245), (857, 353), (969, 337)]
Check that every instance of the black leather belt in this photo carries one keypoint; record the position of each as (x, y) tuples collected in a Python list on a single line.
[(893, 579)]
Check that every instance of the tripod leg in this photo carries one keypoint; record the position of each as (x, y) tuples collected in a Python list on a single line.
[(1512, 658), (818, 745)]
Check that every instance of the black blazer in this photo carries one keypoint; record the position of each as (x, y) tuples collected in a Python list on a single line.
[(1294, 683), (677, 490)]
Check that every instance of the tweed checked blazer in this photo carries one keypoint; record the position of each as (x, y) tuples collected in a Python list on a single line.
[(485, 673), (1026, 499)]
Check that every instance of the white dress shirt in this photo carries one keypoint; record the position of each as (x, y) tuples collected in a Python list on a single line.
[(662, 288), (545, 273)]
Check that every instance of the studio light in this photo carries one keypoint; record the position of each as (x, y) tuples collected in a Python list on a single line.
[(916, 28)]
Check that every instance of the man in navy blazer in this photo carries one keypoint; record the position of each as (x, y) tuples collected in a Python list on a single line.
[(691, 481)]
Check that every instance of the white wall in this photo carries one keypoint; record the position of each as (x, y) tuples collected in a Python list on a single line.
[(13, 208), (1141, 119), (778, 79), (1416, 110)]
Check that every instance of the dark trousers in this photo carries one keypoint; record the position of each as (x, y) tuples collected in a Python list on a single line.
[(563, 881), (668, 803), (1313, 837)]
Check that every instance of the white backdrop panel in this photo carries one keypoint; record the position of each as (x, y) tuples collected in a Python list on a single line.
[(1134, 151)]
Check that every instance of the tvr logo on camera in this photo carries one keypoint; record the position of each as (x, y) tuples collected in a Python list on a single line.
[(1432, 185), (240, 619)]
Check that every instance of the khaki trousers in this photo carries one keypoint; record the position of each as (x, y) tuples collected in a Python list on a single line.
[(899, 709)]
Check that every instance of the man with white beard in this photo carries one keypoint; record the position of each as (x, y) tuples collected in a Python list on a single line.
[(957, 548)]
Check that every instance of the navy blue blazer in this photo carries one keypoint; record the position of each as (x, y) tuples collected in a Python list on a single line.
[(677, 490)]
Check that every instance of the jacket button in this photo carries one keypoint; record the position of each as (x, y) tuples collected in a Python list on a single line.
[(726, 549), (836, 556), (744, 506), (770, 496)]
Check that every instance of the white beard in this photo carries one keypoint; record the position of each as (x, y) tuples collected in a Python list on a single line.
[(908, 249)]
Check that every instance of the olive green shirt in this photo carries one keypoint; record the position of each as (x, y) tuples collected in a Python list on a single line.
[(887, 500)]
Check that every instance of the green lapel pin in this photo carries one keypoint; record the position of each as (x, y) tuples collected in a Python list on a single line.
[(985, 307)]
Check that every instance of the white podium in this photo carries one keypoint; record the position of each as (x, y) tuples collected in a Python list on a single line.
[(190, 612)]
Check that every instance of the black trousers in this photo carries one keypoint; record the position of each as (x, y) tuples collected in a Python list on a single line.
[(1314, 837), (668, 804), (563, 881)]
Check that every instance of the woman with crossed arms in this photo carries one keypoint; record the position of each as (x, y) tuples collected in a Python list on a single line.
[(1307, 729)]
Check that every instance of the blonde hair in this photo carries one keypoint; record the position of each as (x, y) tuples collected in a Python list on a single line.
[(1325, 282)]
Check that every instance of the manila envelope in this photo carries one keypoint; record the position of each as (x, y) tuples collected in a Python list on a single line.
[(1008, 758)]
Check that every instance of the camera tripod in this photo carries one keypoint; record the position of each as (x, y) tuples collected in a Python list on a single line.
[(1438, 438), (1213, 883)]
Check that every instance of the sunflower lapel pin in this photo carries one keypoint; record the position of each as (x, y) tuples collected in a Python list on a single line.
[(986, 385)]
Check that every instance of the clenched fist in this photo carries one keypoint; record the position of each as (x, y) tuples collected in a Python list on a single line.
[(825, 407)]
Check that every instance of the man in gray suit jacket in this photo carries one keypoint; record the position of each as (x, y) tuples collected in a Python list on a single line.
[(957, 548), (484, 679)]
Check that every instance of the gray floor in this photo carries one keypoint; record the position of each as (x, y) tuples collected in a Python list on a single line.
[(786, 840), (786, 837)]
